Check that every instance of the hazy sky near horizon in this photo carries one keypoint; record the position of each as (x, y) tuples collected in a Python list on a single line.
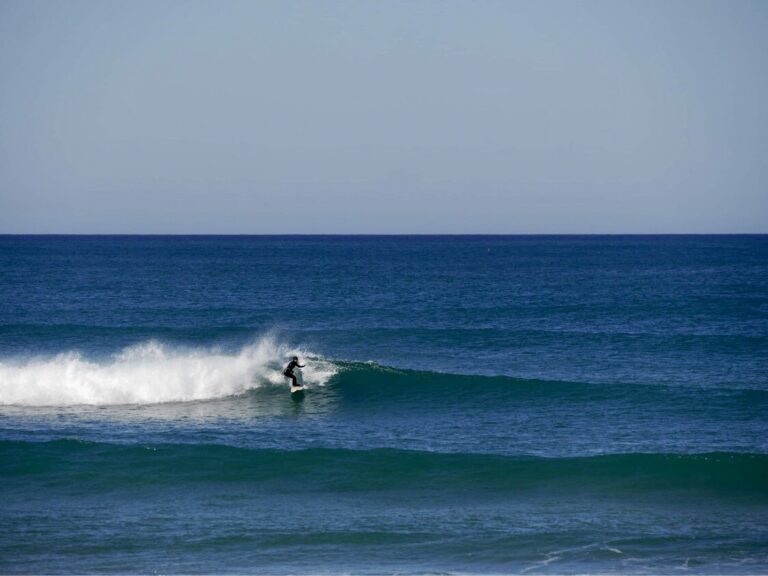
[(383, 117)]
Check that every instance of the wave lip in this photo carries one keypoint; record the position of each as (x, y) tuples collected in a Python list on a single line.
[(150, 373)]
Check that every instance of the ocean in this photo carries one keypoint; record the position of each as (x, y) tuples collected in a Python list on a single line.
[(473, 405)]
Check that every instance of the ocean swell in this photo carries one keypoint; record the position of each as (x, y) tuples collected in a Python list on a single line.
[(341, 470)]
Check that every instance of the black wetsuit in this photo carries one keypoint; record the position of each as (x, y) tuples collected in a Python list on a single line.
[(288, 372)]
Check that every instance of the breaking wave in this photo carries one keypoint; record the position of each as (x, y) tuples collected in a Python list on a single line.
[(152, 372)]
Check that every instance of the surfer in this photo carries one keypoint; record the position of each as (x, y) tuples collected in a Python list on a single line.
[(288, 372)]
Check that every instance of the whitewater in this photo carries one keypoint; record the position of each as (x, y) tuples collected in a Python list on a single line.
[(151, 372)]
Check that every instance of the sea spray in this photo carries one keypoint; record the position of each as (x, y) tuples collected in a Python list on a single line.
[(151, 372)]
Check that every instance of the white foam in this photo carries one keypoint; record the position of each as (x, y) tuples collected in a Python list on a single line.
[(150, 373)]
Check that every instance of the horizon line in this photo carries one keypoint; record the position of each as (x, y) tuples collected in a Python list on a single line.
[(377, 234)]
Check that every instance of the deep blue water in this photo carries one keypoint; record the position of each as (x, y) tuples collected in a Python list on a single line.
[(521, 404)]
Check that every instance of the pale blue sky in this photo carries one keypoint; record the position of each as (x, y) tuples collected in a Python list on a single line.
[(383, 117)]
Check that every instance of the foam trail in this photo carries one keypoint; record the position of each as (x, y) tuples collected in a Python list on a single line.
[(150, 373)]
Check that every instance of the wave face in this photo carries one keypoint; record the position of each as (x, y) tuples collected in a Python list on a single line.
[(160, 393), (149, 373), (155, 372)]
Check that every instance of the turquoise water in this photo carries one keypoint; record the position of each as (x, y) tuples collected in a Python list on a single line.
[(474, 404)]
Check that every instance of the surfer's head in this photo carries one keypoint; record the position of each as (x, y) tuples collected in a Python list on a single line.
[(296, 358)]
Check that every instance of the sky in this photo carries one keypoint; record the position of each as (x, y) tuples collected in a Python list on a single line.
[(357, 117)]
